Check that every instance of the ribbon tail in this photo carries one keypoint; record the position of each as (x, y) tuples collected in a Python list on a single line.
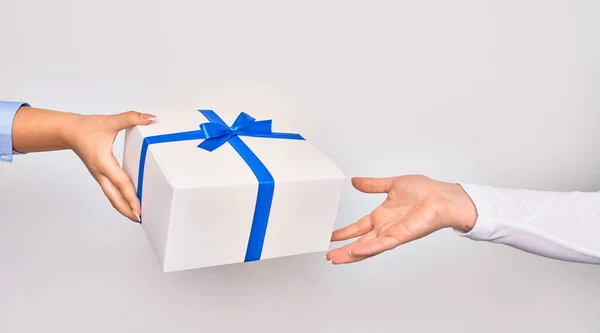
[(262, 126), (273, 135), (242, 120)]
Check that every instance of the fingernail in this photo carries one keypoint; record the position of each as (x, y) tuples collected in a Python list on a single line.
[(350, 252), (138, 217), (147, 116)]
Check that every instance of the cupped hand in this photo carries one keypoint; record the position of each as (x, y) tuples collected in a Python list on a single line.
[(92, 139), (416, 206)]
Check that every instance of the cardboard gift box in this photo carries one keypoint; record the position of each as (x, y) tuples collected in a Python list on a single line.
[(223, 187)]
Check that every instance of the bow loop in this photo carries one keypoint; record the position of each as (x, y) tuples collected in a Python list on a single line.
[(242, 120), (257, 127)]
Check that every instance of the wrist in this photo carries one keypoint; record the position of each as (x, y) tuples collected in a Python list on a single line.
[(459, 211), (68, 130)]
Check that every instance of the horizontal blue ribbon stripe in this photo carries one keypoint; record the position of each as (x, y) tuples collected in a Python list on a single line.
[(183, 136), (216, 133)]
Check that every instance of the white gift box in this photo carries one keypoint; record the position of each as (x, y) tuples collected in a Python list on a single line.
[(243, 194)]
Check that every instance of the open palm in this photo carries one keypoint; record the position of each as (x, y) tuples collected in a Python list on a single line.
[(416, 206)]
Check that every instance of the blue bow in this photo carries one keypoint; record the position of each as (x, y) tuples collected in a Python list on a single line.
[(217, 134)]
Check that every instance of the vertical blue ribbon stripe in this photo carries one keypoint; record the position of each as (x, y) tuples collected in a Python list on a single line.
[(216, 133)]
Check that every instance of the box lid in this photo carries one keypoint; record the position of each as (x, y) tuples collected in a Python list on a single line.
[(187, 166)]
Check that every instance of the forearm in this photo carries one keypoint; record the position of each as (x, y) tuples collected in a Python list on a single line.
[(25, 129), (559, 225), (36, 130)]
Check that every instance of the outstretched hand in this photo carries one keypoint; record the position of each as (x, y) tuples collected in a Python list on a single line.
[(91, 137), (92, 140), (416, 206)]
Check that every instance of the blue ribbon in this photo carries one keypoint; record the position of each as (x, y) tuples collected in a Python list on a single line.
[(215, 134)]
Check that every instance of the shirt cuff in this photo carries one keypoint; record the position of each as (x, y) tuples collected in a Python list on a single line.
[(484, 225), (8, 110)]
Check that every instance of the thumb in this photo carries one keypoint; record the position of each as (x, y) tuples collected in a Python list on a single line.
[(372, 185), (132, 118)]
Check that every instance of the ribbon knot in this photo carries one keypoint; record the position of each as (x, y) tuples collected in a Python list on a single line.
[(217, 134)]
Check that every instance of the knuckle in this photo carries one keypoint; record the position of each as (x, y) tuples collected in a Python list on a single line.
[(97, 166), (354, 229), (370, 182), (125, 117), (122, 184), (132, 115), (114, 204)]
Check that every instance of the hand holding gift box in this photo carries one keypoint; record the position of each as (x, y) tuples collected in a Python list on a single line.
[(214, 193)]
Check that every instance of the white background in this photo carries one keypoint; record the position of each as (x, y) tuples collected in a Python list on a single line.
[(504, 93)]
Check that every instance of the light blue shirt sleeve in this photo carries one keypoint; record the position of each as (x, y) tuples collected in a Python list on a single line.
[(8, 110)]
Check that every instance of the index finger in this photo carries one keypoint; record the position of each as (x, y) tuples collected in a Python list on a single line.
[(121, 181), (116, 199), (355, 229)]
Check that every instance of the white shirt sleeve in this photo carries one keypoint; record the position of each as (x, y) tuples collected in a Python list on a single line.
[(558, 225)]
